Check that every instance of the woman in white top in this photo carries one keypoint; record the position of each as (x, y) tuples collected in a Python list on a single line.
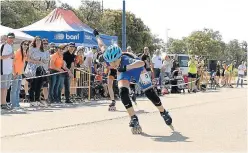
[(38, 61)]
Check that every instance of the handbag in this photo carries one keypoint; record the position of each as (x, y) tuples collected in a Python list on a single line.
[(30, 70)]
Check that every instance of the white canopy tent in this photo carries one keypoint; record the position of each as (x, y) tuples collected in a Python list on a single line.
[(18, 34)]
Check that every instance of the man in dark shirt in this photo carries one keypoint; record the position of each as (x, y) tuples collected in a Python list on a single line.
[(69, 58), (175, 64), (146, 58)]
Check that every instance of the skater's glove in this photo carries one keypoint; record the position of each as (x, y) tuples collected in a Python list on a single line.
[(122, 69), (101, 59), (95, 33)]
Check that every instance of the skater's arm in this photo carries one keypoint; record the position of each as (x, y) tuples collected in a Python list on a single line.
[(100, 43), (135, 65)]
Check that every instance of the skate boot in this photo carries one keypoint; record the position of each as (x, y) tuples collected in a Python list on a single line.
[(134, 124), (112, 106), (167, 118)]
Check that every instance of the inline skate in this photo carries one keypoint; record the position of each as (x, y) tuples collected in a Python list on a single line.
[(167, 118), (134, 124)]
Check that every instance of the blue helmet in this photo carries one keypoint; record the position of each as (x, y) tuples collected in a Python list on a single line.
[(112, 53)]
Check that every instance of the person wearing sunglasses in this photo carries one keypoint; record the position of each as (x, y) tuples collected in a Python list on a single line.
[(18, 67), (57, 64), (69, 58)]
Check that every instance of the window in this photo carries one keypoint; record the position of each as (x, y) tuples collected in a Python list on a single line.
[(183, 61)]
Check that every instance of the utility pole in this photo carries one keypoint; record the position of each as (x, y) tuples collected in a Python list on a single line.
[(124, 26), (102, 6), (167, 39)]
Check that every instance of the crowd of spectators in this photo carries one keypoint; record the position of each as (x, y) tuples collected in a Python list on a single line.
[(58, 63), (46, 67)]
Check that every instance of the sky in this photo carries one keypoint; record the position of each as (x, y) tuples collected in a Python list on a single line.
[(182, 17)]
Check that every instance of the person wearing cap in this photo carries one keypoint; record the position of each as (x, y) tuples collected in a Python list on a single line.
[(69, 58), (6, 68), (57, 64), (52, 48)]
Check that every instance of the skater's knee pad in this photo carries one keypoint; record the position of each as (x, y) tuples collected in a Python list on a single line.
[(124, 94), (152, 96)]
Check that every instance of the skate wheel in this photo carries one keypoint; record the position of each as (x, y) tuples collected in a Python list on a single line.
[(112, 108), (136, 130), (172, 127)]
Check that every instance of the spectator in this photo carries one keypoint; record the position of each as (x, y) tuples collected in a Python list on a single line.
[(79, 63), (223, 74), (167, 65), (57, 64), (200, 72), (241, 73), (192, 64), (88, 62), (18, 68), (129, 49), (146, 58), (52, 49), (3, 39), (6, 68), (45, 66), (95, 58), (229, 72), (218, 67), (175, 63), (69, 58), (157, 64), (37, 58)]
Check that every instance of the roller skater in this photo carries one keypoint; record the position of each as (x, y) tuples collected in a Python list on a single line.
[(129, 65), (112, 74)]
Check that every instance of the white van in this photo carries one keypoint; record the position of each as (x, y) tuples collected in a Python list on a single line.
[(183, 60)]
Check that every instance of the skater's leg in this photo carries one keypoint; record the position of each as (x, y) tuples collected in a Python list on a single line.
[(125, 98), (152, 96), (110, 87)]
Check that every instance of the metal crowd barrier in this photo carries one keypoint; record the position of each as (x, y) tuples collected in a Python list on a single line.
[(80, 84)]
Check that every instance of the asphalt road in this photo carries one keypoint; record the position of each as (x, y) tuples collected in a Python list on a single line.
[(213, 121)]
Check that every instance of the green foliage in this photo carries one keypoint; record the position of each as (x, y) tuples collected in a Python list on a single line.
[(14, 16), (208, 42)]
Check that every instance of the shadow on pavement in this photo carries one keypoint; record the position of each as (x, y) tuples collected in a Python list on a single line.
[(137, 112), (174, 137), (52, 108), (9, 113)]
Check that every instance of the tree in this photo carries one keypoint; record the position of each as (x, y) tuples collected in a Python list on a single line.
[(234, 51), (177, 46), (14, 16)]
